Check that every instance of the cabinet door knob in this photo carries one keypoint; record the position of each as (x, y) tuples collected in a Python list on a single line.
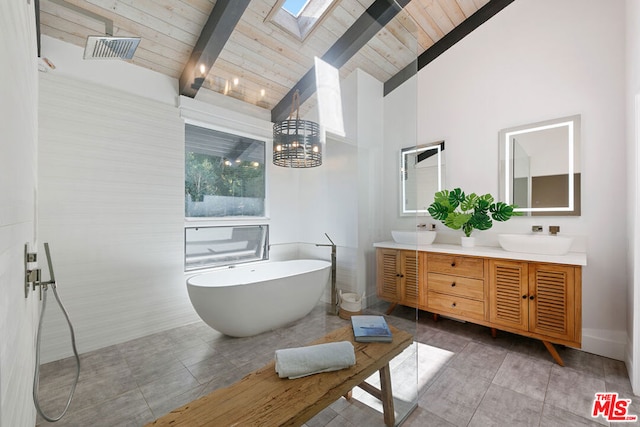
[(453, 264), (453, 305), (453, 284), (524, 297), (532, 297)]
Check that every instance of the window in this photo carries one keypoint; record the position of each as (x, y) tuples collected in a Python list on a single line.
[(299, 17), (224, 245), (294, 7), (224, 174)]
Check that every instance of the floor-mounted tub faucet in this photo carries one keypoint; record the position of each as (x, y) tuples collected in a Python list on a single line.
[(334, 294)]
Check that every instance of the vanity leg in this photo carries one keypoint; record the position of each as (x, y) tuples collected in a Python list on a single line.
[(551, 349), (391, 308), (435, 317), (494, 332)]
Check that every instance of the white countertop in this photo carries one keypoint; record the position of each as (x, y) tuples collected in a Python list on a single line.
[(571, 258)]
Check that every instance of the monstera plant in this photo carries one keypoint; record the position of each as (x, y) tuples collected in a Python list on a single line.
[(458, 210)]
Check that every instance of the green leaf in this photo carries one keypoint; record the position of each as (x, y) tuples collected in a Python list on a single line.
[(442, 197), (487, 198), (456, 220), (481, 221), (438, 211), (469, 202), (456, 196), (502, 212), (484, 203)]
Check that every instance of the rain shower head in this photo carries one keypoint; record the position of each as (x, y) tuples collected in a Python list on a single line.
[(109, 47)]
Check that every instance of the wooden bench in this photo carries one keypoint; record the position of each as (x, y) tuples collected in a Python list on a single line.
[(261, 398)]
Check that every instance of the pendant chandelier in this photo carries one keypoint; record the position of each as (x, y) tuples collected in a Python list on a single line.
[(296, 143)]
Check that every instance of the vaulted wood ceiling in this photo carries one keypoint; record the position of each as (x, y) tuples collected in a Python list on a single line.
[(249, 54)]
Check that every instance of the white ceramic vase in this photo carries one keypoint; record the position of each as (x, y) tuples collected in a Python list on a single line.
[(467, 242)]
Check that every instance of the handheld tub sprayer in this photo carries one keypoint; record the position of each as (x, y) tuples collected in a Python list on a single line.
[(33, 278)]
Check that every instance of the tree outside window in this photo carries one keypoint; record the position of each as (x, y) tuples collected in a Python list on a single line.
[(224, 174)]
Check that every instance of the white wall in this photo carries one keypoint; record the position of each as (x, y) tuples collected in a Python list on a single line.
[(400, 131), (513, 70), (18, 190), (632, 356), (111, 205)]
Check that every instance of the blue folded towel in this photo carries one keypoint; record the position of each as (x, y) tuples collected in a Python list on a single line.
[(302, 361)]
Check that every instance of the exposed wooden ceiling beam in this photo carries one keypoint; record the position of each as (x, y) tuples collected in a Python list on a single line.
[(481, 16), (358, 35), (221, 23)]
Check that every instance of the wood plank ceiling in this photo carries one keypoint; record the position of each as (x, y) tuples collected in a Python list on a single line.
[(260, 61)]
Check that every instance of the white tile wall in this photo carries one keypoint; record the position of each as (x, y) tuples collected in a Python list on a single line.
[(112, 208), (18, 163)]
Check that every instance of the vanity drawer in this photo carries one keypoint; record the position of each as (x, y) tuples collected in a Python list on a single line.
[(455, 264), (456, 285), (456, 306)]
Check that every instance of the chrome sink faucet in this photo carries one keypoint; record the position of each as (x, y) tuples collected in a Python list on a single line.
[(536, 228)]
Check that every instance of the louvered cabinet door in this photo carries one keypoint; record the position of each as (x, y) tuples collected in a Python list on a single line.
[(552, 300), (509, 294), (409, 278), (388, 276)]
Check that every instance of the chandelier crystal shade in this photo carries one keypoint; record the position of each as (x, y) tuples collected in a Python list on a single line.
[(296, 143)]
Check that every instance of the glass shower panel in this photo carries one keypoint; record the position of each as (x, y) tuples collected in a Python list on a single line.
[(393, 272)]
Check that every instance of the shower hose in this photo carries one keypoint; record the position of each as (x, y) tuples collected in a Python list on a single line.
[(36, 376)]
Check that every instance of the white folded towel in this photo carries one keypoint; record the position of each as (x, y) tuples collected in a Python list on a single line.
[(303, 361)]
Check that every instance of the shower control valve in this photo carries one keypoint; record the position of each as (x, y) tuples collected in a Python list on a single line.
[(33, 276)]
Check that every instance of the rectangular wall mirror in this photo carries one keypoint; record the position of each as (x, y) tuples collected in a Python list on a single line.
[(540, 167), (421, 176)]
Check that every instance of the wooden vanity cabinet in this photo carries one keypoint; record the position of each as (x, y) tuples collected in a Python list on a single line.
[(398, 278), (455, 286), (534, 299), (537, 299)]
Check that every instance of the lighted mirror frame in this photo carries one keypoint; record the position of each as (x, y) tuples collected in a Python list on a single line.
[(438, 150), (572, 123)]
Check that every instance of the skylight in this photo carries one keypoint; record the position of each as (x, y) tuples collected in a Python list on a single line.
[(294, 7), (299, 17)]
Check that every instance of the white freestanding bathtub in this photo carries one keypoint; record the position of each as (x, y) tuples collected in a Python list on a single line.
[(248, 300)]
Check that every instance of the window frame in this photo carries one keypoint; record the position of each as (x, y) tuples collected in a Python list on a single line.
[(227, 257), (240, 220)]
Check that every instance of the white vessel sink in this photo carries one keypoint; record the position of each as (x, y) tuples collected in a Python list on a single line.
[(422, 237), (535, 244)]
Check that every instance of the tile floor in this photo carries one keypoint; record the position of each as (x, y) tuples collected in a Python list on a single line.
[(464, 378)]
